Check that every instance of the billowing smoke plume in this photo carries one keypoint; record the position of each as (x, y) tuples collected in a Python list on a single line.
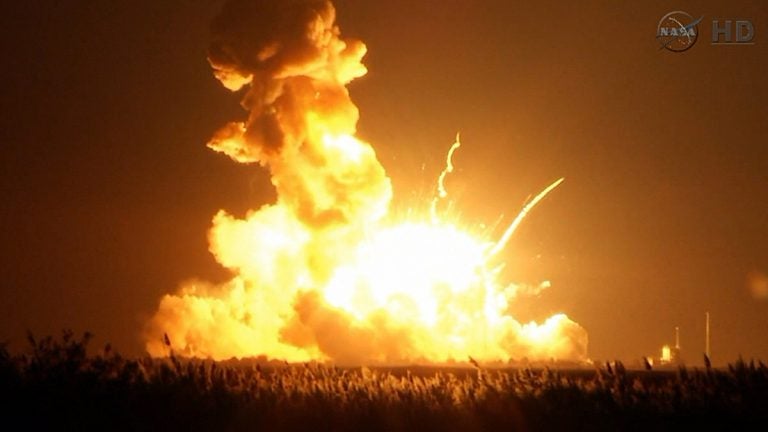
[(294, 65), (323, 273)]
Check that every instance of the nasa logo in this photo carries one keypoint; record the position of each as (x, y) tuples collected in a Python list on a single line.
[(677, 31)]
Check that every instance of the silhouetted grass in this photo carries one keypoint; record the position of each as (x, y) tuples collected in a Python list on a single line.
[(56, 386)]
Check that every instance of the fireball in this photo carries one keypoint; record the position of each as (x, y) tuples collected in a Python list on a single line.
[(328, 272)]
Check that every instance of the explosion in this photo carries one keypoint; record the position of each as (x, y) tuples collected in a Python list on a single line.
[(327, 272)]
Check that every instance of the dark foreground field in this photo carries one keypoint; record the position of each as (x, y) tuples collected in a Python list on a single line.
[(56, 386)]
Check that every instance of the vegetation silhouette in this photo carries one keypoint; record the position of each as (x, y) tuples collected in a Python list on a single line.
[(57, 385)]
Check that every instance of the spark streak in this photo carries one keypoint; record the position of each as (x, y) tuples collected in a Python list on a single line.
[(442, 193), (502, 243)]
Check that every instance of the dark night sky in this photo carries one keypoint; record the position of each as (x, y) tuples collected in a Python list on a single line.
[(108, 189)]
